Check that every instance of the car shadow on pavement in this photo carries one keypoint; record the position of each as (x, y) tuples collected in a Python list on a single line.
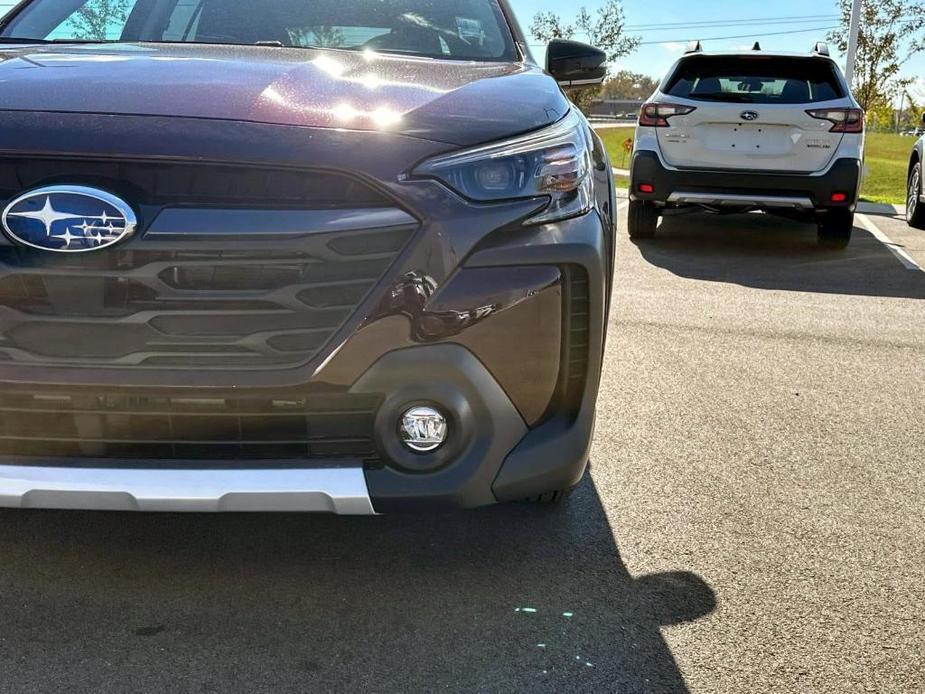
[(513, 598), (769, 252)]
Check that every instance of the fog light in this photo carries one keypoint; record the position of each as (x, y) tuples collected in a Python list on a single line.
[(839, 197), (423, 429), (646, 188)]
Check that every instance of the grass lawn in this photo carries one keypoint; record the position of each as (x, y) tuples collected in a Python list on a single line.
[(613, 139), (886, 159)]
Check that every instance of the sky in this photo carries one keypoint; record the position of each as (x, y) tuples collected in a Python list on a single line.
[(811, 19)]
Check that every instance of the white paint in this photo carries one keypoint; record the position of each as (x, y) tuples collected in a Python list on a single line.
[(896, 250)]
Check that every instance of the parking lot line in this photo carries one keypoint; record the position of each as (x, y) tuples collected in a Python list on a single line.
[(895, 249)]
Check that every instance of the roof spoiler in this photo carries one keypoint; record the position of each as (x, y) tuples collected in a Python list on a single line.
[(821, 49), (693, 47)]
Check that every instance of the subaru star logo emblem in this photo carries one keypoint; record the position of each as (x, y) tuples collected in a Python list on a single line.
[(68, 219), (749, 115)]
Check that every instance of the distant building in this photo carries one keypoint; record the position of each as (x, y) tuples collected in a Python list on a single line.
[(616, 108)]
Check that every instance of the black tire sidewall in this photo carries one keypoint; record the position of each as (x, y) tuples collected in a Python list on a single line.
[(917, 219), (643, 220)]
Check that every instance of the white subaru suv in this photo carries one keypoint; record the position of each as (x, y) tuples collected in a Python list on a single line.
[(738, 132)]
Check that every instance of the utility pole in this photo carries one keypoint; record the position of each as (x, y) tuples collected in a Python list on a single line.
[(899, 113), (853, 41)]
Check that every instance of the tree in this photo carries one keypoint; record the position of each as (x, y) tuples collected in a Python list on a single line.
[(99, 20), (321, 36), (629, 85), (605, 30), (891, 33)]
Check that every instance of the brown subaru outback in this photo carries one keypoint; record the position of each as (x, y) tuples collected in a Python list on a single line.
[(347, 255)]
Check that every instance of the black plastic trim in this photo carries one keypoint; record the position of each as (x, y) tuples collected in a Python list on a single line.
[(843, 177), (555, 455), (483, 426)]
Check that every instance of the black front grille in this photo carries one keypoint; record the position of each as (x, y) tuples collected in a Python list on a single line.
[(159, 430), (173, 183), (139, 306)]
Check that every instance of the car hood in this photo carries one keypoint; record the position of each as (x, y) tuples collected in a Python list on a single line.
[(456, 102)]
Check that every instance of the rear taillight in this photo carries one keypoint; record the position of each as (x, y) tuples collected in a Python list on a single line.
[(657, 115), (844, 120)]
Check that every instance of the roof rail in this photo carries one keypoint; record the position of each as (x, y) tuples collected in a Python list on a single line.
[(821, 48), (694, 47), (756, 47)]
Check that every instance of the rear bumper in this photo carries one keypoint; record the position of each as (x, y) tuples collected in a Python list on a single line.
[(678, 188)]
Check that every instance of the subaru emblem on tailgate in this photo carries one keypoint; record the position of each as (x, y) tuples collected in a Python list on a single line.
[(68, 219), (749, 115)]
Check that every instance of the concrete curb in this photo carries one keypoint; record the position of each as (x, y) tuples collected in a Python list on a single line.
[(882, 209)]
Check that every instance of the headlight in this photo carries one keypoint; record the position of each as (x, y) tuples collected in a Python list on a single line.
[(554, 162)]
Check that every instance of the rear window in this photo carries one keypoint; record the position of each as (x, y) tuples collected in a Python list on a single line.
[(755, 80)]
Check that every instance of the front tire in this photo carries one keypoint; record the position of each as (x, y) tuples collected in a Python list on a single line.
[(835, 229), (915, 210), (643, 220)]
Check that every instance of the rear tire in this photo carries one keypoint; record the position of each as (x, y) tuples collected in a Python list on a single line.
[(835, 229), (643, 220), (915, 209)]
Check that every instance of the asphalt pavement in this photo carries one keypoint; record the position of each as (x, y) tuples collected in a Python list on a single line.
[(753, 520)]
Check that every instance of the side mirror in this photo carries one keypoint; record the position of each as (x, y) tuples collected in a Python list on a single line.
[(575, 64)]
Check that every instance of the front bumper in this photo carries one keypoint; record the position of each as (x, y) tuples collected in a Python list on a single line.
[(165, 383), (340, 490), (677, 188), (494, 452)]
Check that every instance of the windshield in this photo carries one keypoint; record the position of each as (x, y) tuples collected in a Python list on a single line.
[(755, 80), (453, 29)]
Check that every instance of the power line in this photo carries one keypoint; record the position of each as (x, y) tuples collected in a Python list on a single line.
[(724, 22), (742, 36), (729, 24), (724, 38), (654, 27), (801, 22)]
